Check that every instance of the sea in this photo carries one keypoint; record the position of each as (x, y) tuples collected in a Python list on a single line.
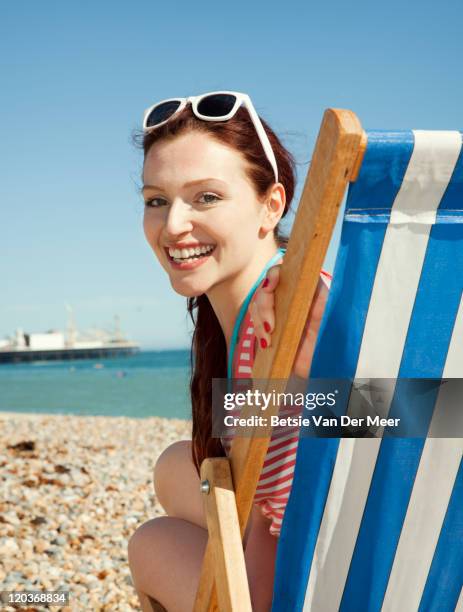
[(149, 383)]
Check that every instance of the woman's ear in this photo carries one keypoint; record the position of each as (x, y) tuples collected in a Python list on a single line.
[(274, 204)]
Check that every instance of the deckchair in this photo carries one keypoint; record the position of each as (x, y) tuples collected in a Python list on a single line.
[(371, 523)]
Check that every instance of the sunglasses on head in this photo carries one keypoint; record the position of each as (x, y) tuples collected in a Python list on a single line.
[(213, 106)]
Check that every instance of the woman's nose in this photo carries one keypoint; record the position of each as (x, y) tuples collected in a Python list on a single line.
[(178, 218)]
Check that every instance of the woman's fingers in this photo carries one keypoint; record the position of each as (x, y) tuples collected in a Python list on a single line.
[(270, 282), (262, 307), (262, 310), (306, 347)]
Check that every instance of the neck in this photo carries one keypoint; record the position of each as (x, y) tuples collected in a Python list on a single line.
[(226, 299)]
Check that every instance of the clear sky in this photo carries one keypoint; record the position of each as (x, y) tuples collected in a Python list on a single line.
[(76, 76)]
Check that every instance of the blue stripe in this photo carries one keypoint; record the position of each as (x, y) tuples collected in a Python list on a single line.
[(301, 523), (452, 200), (341, 330), (434, 313), (431, 325), (445, 578), (436, 304), (387, 502), (379, 181), (340, 334), (381, 174)]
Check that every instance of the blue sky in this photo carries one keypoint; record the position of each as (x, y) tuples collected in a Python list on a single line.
[(76, 76)]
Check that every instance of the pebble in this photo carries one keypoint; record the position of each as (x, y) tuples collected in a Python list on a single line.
[(74, 491)]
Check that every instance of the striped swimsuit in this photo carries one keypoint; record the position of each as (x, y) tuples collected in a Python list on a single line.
[(276, 479)]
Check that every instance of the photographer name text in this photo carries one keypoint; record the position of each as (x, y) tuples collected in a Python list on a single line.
[(317, 421)]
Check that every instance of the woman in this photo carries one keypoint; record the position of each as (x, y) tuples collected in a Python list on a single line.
[(216, 182)]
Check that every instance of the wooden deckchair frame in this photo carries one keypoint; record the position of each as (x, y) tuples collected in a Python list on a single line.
[(229, 484)]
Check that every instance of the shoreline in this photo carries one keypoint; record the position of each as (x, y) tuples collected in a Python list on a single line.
[(73, 489), (10, 413)]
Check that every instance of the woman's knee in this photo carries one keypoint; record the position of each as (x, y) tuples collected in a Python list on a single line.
[(167, 469), (141, 546), (165, 556), (176, 483)]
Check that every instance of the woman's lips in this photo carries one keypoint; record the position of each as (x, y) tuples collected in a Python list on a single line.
[(188, 264)]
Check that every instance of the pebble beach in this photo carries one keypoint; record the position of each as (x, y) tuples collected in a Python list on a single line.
[(73, 489)]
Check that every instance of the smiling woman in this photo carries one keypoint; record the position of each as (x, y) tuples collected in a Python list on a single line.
[(221, 212), (216, 182)]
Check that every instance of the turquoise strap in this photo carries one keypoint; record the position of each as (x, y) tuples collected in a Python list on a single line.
[(244, 308)]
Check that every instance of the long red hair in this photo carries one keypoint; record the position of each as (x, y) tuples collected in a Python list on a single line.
[(208, 348)]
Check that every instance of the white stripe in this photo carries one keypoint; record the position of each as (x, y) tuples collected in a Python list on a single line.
[(280, 451), (244, 369), (420, 532), (448, 422), (249, 331), (280, 493), (278, 440), (282, 500), (384, 335), (289, 456), (275, 505), (275, 488), (344, 507), (275, 491), (459, 607), (430, 497), (403, 252), (245, 357), (275, 477), (429, 172), (246, 343), (277, 513)]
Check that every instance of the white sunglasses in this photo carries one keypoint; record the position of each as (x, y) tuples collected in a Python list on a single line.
[(212, 106)]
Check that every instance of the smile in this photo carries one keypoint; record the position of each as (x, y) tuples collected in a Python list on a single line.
[(187, 255)]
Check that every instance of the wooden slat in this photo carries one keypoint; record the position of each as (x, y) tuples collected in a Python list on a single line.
[(336, 160), (225, 537)]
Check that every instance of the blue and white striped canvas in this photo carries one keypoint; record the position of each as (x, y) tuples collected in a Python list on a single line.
[(377, 524)]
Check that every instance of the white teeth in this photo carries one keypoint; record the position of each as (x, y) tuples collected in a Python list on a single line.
[(184, 254)]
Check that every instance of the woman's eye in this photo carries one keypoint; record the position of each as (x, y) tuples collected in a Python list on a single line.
[(155, 202), (209, 198)]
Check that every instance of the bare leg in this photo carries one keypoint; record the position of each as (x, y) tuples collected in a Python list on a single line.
[(176, 484), (260, 555), (148, 604), (165, 554)]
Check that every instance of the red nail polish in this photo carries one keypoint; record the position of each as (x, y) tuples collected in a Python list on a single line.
[(267, 327), (265, 283), (263, 343)]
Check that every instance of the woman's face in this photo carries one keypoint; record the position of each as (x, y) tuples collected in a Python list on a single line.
[(202, 217)]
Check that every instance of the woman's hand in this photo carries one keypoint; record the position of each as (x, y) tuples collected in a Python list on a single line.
[(262, 309)]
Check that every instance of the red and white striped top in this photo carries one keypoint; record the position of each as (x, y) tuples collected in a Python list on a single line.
[(276, 478)]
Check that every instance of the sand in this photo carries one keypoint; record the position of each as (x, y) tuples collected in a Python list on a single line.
[(73, 489)]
